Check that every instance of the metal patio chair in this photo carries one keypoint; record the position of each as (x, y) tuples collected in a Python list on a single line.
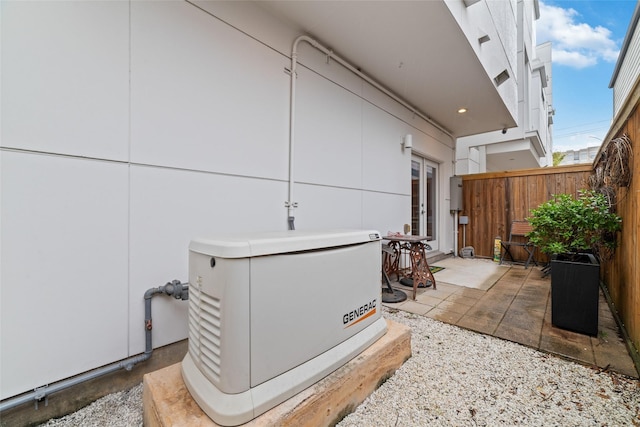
[(518, 238)]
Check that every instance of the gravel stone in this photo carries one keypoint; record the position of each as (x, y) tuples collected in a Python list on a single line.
[(455, 377), (122, 409), (462, 378)]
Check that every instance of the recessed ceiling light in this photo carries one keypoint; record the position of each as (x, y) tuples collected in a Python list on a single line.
[(462, 110)]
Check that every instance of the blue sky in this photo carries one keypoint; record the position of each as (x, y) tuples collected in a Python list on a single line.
[(586, 38)]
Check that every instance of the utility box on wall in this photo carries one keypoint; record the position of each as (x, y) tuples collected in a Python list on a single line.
[(455, 182)]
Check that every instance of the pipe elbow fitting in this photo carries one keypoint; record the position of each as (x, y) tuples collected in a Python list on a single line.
[(151, 292)]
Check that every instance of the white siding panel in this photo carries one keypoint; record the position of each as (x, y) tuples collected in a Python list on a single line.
[(64, 268), (629, 72), (169, 208), (65, 77), (385, 212), (322, 207), (312, 58), (386, 166), (205, 96), (328, 137)]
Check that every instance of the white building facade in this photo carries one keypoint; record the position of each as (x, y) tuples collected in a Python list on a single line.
[(627, 69), (129, 128), (583, 155), (529, 144)]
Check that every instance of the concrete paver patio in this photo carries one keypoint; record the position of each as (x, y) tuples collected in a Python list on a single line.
[(517, 307)]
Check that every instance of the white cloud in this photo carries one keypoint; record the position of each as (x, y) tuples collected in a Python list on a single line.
[(574, 59), (575, 44)]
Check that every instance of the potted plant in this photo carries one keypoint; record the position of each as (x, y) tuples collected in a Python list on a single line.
[(573, 231)]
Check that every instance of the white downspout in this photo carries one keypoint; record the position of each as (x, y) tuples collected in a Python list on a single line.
[(290, 204)]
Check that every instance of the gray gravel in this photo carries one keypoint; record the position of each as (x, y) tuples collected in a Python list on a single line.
[(122, 409), (455, 377), (458, 377)]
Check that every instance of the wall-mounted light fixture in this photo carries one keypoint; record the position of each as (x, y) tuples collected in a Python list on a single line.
[(407, 141)]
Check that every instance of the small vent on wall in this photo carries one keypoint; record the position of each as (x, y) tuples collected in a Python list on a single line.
[(484, 38), (501, 78)]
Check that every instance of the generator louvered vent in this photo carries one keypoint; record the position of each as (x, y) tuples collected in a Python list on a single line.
[(204, 332)]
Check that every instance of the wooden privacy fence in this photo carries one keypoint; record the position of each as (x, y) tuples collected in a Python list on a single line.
[(493, 200), (621, 274)]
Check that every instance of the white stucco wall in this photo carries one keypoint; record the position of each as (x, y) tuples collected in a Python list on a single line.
[(130, 128)]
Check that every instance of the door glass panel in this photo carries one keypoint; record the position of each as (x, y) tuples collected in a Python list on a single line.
[(415, 198), (424, 199), (431, 202)]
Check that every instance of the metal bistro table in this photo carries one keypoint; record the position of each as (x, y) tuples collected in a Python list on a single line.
[(415, 247)]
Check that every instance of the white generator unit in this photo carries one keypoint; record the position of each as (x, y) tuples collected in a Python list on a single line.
[(271, 314)]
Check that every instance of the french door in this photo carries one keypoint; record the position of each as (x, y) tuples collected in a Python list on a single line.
[(424, 199)]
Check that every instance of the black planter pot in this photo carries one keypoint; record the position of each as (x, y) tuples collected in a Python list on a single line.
[(575, 293)]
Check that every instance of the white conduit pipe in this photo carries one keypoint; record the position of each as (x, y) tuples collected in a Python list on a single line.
[(455, 234), (290, 204)]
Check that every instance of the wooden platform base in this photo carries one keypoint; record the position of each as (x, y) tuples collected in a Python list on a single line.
[(167, 401)]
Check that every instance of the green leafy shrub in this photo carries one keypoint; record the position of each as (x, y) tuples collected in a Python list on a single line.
[(565, 224)]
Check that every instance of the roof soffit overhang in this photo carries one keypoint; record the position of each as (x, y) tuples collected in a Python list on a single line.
[(415, 49)]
